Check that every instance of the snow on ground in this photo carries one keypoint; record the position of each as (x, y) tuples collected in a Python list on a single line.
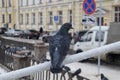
[(90, 70), (2, 71)]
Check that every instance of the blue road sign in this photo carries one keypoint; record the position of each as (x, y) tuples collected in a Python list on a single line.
[(56, 18), (89, 6)]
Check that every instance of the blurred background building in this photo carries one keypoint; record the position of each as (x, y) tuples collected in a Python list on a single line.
[(33, 14), (7, 13)]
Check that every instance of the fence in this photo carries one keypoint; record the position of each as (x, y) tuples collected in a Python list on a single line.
[(12, 56), (41, 67)]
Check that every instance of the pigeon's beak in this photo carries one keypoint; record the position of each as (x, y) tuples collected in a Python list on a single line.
[(72, 27)]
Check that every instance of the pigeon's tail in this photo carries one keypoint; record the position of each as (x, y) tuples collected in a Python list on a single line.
[(56, 70)]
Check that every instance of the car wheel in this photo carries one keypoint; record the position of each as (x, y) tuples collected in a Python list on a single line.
[(78, 51), (37, 37), (44, 40)]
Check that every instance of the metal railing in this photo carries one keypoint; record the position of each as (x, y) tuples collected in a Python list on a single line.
[(8, 48), (41, 67)]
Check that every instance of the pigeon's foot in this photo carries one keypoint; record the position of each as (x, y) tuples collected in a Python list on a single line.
[(56, 70)]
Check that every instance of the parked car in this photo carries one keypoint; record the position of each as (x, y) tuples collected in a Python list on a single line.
[(13, 33), (2, 30), (30, 34), (78, 35), (46, 37)]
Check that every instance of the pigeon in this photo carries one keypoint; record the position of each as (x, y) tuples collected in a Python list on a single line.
[(103, 77), (58, 47)]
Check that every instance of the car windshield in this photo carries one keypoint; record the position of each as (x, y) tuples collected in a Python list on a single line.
[(86, 37)]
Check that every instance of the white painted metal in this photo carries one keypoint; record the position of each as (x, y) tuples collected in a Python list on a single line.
[(100, 16), (70, 59)]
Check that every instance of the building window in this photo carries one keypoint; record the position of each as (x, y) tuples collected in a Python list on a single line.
[(9, 3), (21, 18), (40, 1), (60, 17), (33, 18), (27, 18), (26, 2), (98, 21), (9, 18), (21, 3), (3, 18), (70, 16), (49, 0), (33, 2), (50, 18), (40, 18), (3, 3), (117, 13)]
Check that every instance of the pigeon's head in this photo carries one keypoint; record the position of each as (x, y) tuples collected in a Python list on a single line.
[(67, 26)]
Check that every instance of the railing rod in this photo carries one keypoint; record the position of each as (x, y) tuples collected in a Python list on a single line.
[(73, 58)]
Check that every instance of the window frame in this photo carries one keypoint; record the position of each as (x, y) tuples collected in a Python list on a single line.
[(40, 1), (40, 18), (27, 18), (3, 3), (60, 15), (9, 3), (70, 16), (33, 2), (21, 3), (9, 18), (116, 13), (50, 17), (3, 18), (33, 18), (21, 18), (27, 3)]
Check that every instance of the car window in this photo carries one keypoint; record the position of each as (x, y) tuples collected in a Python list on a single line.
[(97, 36), (87, 37), (33, 31), (17, 30), (11, 30)]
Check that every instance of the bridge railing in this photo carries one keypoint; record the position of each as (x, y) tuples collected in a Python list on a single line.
[(41, 67)]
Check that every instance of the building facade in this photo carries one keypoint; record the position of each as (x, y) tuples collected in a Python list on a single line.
[(7, 13), (51, 14)]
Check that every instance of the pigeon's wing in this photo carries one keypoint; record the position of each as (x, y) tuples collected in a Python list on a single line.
[(62, 43), (58, 47)]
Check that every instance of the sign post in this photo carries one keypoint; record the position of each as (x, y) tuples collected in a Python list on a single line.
[(100, 16), (56, 20), (89, 6), (88, 20)]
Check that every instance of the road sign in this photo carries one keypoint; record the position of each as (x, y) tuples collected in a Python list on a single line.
[(88, 20), (89, 6), (56, 19)]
